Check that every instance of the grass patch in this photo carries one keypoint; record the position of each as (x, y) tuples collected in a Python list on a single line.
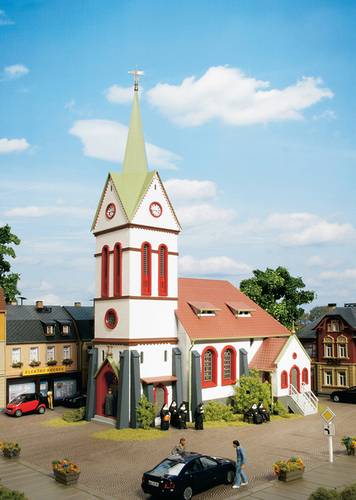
[(129, 434), (222, 423), (59, 422)]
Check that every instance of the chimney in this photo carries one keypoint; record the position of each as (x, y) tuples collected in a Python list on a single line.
[(331, 307), (350, 304), (39, 305), (77, 304), (13, 302)]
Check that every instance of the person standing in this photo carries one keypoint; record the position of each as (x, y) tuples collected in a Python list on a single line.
[(199, 417), (108, 406), (182, 416), (165, 418), (173, 410), (179, 449), (50, 400), (241, 478)]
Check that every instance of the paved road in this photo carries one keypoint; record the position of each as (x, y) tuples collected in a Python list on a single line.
[(114, 469)]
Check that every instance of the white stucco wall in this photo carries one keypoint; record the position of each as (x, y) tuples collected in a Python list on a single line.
[(286, 362), (119, 218)]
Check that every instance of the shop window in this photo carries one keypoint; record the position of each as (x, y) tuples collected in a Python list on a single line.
[(228, 365), (146, 265), (16, 355), (209, 368), (284, 380), (105, 267), (341, 379), (162, 270), (328, 377), (305, 376), (64, 388), (117, 270)]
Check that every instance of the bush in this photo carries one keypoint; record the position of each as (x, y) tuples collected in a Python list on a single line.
[(324, 494), (349, 493), (215, 412), (74, 415), (280, 409), (145, 412), (251, 390), (6, 494)]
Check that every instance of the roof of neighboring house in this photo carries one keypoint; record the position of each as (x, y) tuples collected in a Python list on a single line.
[(25, 324), (267, 354), (2, 301), (84, 320), (348, 314), (224, 324)]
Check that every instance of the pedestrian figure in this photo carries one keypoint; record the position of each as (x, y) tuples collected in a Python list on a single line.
[(165, 418), (50, 400), (264, 413), (199, 417), (109, 403), (257, 418), (179, 449), (241, 478), (182, 416), (173, 410)]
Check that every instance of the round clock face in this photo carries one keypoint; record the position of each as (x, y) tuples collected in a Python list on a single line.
[(110, 211), (156, 209)]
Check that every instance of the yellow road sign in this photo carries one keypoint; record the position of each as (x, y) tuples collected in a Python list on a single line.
[(328, 415)]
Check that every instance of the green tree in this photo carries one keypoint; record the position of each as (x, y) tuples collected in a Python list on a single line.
[(251, 390), (145, 412), (8, 280), (279, 293), (317, 312)]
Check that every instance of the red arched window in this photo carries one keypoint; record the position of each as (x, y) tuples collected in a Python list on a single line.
[(228, 366), (284, 380), (105, 267), (209, 372), (305, 376), (162, 270), (146, 265), (117, 270)]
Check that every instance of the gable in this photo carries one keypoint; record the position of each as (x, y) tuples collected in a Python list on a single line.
[(109, 196), (155, 193)]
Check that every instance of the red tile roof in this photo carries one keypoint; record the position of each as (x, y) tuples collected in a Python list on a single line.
[(265, 357), (224, 324), (2, 300)]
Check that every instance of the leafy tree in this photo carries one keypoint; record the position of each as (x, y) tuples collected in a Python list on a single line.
[(279, 293), (8, 280), (317, 312), (145, 412), (251, 390)]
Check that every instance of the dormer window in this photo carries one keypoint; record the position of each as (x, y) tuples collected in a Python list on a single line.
[(65, 330), (202, 309), (49, 328), (64, 327), (240, 309)]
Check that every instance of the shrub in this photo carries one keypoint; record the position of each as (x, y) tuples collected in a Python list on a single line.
[(145, 412), (324, 494), (251, 390), (6, 494), (349, 493), (74, 415), (280, 409), (215, 412)]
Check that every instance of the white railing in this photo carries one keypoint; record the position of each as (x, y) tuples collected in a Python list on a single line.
[(310, 395), (305, 401)]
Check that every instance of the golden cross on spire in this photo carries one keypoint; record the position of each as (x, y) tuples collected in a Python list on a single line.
[(136, 75)]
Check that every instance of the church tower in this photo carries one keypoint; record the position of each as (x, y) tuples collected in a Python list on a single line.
[(136, 255)]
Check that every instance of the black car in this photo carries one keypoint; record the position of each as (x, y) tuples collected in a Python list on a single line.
[(77, 400), (181, 476), (345, 396)]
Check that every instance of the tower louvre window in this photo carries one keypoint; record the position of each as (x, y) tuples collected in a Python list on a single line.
[(146, 265), (163, 270), (105, 267), (117, 270)]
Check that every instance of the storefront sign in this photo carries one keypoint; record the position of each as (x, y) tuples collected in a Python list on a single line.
[(43, 371)]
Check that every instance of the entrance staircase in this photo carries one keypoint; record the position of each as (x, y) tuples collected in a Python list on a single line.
[(304, 402)]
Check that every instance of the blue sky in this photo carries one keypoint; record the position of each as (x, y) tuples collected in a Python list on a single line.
[(248, 106)]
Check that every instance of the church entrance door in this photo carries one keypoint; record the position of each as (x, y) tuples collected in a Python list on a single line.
[(105, 380), (294, 377), (160, 397)]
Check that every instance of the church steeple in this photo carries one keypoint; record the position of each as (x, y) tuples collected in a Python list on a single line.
[(135, 161)]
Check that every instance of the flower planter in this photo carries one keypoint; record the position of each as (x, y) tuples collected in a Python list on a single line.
[(287, 476), (67, 478), (11, 453)]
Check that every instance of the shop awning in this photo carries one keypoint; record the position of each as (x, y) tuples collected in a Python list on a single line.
[(159, 380)]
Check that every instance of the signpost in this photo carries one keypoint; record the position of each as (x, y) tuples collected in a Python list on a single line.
[(329, 429)]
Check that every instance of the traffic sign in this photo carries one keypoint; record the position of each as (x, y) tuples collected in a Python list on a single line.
[(328, 415)]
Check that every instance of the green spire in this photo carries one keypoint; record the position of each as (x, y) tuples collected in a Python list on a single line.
[(135, 161)]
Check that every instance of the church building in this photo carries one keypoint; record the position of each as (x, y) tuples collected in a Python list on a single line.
[(168, 338)]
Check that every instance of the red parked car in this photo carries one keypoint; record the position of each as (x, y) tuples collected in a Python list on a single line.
[(26, 403)]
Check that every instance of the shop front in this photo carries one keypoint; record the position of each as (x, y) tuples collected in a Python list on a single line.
[(40, 380)]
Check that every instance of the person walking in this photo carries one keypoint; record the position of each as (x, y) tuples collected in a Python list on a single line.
[(241, 478), (179, 449)]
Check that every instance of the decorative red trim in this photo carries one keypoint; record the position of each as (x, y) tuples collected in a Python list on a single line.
[(117, 270), (163, 273), (133, 249), (232, 379), (135, 297), (105, 268), (162, 340), (146, 268), (135, 226), (298, 376), (165, 390), (284, 380), (305, 375), (102, 378), (109, 324), (214, 381)]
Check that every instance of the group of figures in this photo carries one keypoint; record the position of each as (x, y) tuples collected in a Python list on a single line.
[(177, 416), (257, 414)]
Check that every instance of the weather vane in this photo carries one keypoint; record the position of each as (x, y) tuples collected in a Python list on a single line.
[(136, 74)]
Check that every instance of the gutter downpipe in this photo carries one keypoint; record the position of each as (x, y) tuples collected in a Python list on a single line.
[(190, 381)]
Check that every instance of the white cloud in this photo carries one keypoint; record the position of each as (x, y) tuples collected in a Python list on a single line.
[(15, 71), (119, 95), (328, 115), (13, 145), (106, 140), (4, 20), (182, 190), (202, 214), (35, 211), (347, 274), (212, 266), (227, 94)]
